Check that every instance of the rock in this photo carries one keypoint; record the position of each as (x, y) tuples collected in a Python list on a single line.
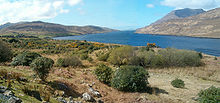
[(70, 100), (45, 102), (61, 99), (8, 93), (14, 100), (94, 92), (87, 97), (100, 101), (77, 102), (3, 89)]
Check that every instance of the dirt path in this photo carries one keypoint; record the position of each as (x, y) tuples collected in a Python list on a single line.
[(193, 86)]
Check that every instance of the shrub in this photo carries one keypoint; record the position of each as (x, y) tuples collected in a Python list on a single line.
[(104, 73), (103, 57), (89, 59), (149, 59), (5, 52), (72, 61), (215, 58), (210, 95), (24, 59), (84, 56), (178, 83), (130, 78), (121, 55), (179, 58), (42, 66)]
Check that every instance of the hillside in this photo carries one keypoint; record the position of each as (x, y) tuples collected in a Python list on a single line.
[(179, 14), (202, 25), (38, 28)]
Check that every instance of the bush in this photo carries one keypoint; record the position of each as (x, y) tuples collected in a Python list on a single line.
[(179, 58), (104, 57), (121, 55), (24, 59), (178, 83), (84, 56), (72, 61), (5, 52), (89, 59), (104, 73), (149, 59), (130, 78), (210, 95), (42, 66)]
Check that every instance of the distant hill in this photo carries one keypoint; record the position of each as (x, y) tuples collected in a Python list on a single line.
[(39, 28), (204, 24)]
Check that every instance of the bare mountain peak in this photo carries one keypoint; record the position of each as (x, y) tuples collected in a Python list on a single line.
[(204, 24), (179, 14)]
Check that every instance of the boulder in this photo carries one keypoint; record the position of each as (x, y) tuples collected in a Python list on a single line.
[(88, 97), (14, 100), (8, 93), (3, 89)]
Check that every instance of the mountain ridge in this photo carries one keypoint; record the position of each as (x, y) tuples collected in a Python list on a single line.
[(205, 24), (37, 28)]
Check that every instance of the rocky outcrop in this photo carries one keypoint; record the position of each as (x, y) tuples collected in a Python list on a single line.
[(7, 96), (202, 25)]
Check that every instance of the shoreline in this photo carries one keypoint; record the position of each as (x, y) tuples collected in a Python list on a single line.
[(180, 36)]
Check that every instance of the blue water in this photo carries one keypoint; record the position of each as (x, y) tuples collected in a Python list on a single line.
[(205, 45)]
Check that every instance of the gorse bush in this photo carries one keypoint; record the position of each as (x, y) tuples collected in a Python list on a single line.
[(104, 73), (42, 67), (130, 78), (24, 59), (178, 83), (72, 61), (210, 95), (121, 55), (5, 52)]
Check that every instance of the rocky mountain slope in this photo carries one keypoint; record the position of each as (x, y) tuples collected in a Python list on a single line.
[(206, 24), (43, 28)]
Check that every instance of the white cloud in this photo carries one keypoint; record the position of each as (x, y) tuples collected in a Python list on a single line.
[(195, 4), (150, 5), (30, 10), (74, 2)]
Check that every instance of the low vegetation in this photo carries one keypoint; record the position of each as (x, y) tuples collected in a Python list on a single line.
[(130, 78), (69, 61), (210, 95), (104, 73), (124, 68), (24, 59), (42, 67), (178, 83), (5, 52)]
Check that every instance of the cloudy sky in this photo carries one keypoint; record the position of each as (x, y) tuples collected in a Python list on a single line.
[(118, 14)]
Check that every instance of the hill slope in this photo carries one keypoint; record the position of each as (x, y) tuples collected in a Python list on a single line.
[(37, 28), (202, 25)]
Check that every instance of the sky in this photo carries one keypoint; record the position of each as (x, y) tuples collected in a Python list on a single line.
[(116, 14)]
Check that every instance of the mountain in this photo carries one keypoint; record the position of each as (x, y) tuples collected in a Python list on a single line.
[(39, 28), (180, 14), (206, 24)]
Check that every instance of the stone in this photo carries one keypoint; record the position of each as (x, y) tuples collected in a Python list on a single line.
[(94, 92), (61, 99), (3, 89), (14, 100), (100, 101), (8, 93), (87, 97)]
